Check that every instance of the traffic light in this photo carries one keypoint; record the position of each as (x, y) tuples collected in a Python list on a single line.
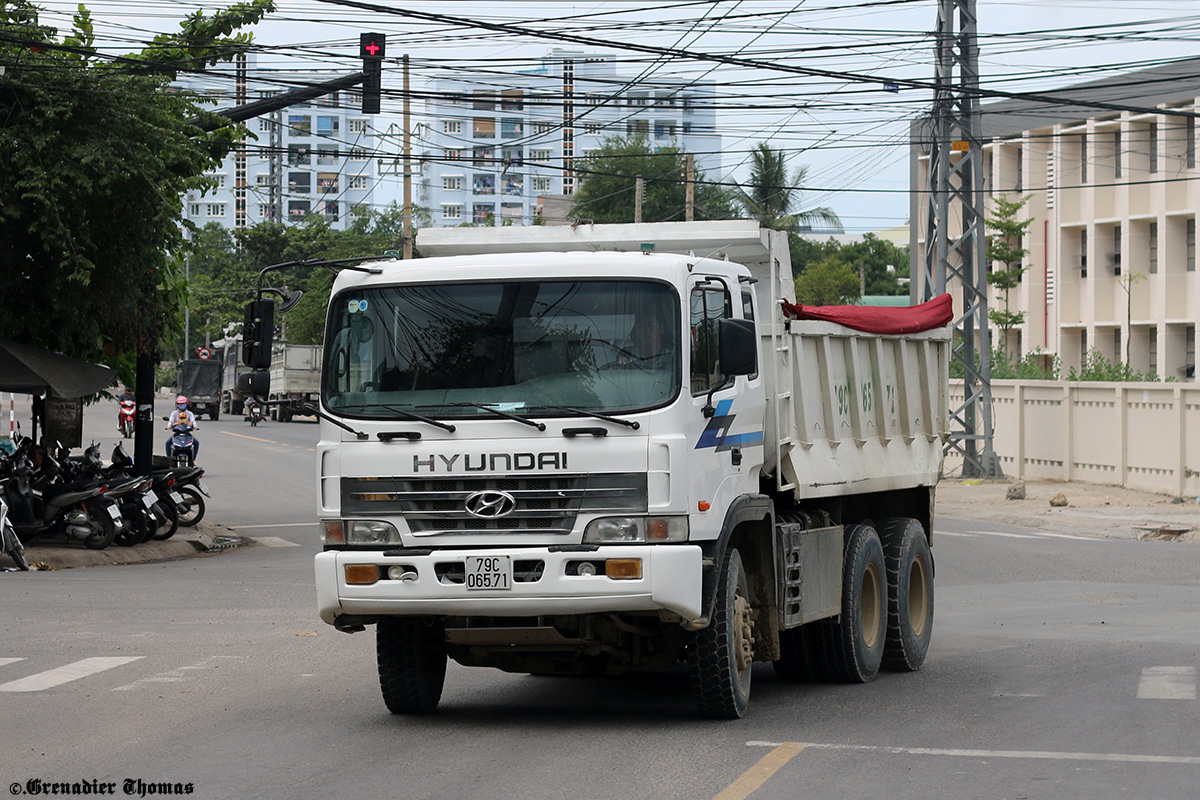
[(372, 47)]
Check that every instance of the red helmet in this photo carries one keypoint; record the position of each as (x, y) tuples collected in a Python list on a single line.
[(181, 401)]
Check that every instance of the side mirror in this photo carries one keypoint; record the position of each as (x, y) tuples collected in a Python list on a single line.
[(737, 345), (258, 329), (257, 383)]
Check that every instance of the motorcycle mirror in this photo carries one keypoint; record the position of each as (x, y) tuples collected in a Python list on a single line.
[(257, 383)]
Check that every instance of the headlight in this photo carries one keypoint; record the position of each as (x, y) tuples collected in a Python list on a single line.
[(369, 531), (636, 530)]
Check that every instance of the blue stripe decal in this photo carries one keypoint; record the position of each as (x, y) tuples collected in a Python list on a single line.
[(717, 435)]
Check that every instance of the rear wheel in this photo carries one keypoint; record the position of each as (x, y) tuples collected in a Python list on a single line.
[(910, 594), (852, 646), (721, 656), (15, 550), (191, 510), (167, 530), (103, 537), (411, 652)]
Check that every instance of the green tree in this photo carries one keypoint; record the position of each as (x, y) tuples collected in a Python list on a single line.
[(770, 196), (1005, 233), (610, 174), (826, 283), (95, 157), (873, 254)]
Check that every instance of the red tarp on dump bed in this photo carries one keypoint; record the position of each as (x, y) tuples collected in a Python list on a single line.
[(880, 319)]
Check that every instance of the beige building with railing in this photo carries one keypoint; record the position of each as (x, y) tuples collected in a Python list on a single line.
[(1113, 196)]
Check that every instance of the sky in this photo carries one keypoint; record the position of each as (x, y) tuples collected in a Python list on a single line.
[(809, 79)]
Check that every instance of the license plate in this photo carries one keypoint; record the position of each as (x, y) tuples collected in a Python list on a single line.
[(149, 498), (202, 487), (114, 512), (176, 497), (489, 572)]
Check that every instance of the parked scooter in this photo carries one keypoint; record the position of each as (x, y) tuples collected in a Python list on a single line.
[(126, 418), (9, 541)]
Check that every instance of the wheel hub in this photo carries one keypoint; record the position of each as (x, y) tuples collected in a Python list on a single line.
[(743, 632)]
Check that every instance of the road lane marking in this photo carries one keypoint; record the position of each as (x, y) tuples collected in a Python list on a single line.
[(761, 772), (6, 661), (255, 438), (71, 672), (177, 675), (274, 525), (273, 541), (1167, 683), (1044, 755), (963, 535)]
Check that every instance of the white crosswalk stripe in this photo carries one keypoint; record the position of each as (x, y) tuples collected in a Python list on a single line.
[(1167, 683), (65, 674)]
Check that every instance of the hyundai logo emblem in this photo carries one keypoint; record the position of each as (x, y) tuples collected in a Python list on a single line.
[(490, 504)]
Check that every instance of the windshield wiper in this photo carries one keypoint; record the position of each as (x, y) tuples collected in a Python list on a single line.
[(406, 414), (541, 426), (629, 423)]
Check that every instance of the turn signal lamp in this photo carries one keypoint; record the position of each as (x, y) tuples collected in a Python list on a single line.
[(623, 569), (361, 574), (333, 532)]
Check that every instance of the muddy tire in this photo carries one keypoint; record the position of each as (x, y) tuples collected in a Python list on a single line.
[(910, 594), (411, 652), (721, 656)]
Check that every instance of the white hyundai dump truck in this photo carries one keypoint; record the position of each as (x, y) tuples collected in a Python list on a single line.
[(607, 448)]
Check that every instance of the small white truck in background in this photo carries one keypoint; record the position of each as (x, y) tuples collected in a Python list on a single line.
[(601, 449), (295, 375)]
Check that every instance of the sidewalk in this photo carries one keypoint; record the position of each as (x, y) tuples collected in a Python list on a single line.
[(1092, 510)]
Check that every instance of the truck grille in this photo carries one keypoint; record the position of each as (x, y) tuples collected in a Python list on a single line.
[(541, 504)]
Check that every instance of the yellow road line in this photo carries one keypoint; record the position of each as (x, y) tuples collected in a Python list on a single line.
[(761, 772), (244, 436)]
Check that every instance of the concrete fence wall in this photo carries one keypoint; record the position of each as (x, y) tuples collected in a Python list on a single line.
[(1143, 436)]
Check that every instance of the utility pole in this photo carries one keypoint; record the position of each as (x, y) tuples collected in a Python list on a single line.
[(407, 231), (690, 203), (956, 174), (639, 192)]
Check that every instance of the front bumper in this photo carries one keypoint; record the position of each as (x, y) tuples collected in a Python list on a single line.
[(671, 581)]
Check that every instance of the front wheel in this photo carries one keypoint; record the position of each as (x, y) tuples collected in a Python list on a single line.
[(191, 510), (15, 550), (411, 652), (721, 656), (910, 594)]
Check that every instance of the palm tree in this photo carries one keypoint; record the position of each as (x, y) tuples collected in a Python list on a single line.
[(769, 197)]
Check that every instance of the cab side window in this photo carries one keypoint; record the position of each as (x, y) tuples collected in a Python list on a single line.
[(710, 302)]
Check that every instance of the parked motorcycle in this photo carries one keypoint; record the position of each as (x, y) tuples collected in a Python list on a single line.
[(9, 541), (44, 501), (126, 418)]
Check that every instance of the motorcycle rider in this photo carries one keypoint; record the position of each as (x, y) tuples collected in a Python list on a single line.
[(181, 414)]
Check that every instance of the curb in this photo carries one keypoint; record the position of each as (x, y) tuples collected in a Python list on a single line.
[(204, 539)]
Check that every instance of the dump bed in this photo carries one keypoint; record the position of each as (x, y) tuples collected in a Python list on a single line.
[(295, 368)]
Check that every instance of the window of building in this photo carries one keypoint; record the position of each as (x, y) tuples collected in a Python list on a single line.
[(262, 179), (264, 124), (541, 184), (665, 100), (327, 126), (264, 211), (452, 154), (298, 209), (541, 128), (217, 179), (452, 127), (513, 184), (484, 213), (451, 211), (664, 130), (687, 104), (591, 127), (1153, 248), (327, 100), (709, 305), (484, 155), (299, 155), (359, 210), (512, 100), (299, 124), (483, 184), (215, 209), (539, 156), (1153, 347), (331, 212), (1190, 247), (327, 156), (483, 128), (1083, 253), (299, 182), (327, 182), (1189, 351), (512, 213), (637, 126), (510, 128), (1152, 134), (1116, 257), (512, 157), (358, 182), (1117, 153), (452, 183), (637, 100), (1083, 158), (359, 154), (357, 125), (483, 100), (1190, 144), (193, 209)]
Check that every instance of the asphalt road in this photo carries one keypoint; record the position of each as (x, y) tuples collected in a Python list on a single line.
[(1061, 667)]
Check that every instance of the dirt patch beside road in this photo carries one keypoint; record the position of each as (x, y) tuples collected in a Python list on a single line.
[(1091, 510)]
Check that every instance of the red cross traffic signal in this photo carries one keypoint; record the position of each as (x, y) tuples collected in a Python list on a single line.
[(372, 45)]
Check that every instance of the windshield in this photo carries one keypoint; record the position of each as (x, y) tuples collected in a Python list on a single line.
[(518, 346)]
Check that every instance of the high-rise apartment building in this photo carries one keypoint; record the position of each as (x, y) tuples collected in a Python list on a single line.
[(492, 145), (310, 158), (1113, 195)]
